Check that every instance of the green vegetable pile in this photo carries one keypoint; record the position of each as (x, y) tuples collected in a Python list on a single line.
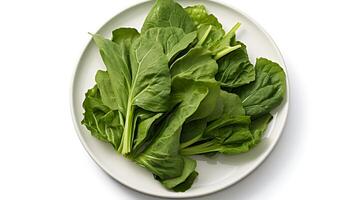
[(181, 87)]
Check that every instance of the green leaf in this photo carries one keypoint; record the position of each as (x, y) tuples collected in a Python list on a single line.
[(124, 37), (267, 91), (118, 71), (192, 132), (232, 112), (257, 128), (232, 104), (151, 81), (199, 15), (162, 157), (218, 110), (231, 127), (208, 35), (182, 187), (105, 87), (185, 180), (235, 69), (220, 140), (224, 45), (209, 29), (198, 65), (143, 129), (207, 106), (102, 122), (145, 83), (172, 39), (224, 127), (168, 13)]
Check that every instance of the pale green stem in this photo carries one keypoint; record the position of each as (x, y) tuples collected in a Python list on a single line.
[(226, 51), (127, 140), (203, 39), (234, 29)]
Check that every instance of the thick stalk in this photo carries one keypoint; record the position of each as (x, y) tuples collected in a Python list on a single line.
[(204, 37), (127, 140), (226, 51)]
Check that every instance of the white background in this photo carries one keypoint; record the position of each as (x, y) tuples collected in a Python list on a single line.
[(42, 158)]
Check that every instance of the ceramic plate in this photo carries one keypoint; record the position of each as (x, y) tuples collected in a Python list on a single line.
[(214, 174)]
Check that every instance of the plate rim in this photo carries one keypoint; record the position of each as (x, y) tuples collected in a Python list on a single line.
[(262, 160)]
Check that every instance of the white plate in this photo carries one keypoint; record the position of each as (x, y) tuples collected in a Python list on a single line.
[(214, 174)]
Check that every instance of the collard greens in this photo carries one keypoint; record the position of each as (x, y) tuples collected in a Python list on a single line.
[(180, 87)]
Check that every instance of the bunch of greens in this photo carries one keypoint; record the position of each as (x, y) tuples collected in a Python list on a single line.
[(181, 87)]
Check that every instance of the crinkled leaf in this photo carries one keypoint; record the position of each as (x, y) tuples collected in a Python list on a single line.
[(102, 122)]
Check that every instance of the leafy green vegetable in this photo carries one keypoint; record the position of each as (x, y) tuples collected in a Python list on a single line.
[(105, 87), (218, 139), (168, 13), (231, 127), (100, 120), (162, 157), (208, 27), (181, 87), (198, 65), (172, 39), (267, 91), (199, 15), (124, 37), (145, 83), (257, 128), (224, 46), (183, 182), (208, 35), (182, 187), (235, 69), (143, 129), (192, 132)]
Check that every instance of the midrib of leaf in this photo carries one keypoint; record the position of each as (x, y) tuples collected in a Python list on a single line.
[(96, 124), (255, 90), (127, 140), (203, 39)]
